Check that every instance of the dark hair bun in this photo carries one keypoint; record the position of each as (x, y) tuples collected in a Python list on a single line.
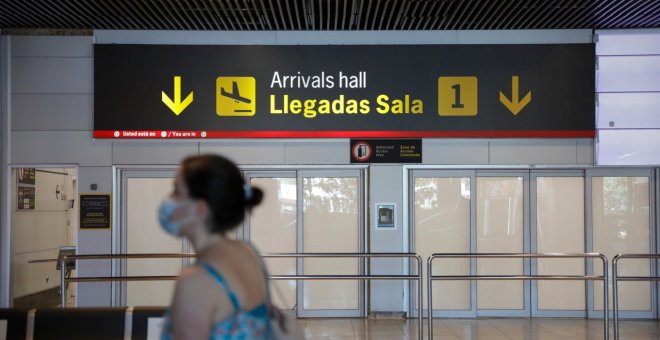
[(220, 183), (254, 198)]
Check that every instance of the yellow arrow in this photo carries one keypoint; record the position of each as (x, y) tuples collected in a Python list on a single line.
[(514, 105), (176, 105)]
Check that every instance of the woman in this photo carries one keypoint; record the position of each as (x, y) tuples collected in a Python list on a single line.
[(222, 296)]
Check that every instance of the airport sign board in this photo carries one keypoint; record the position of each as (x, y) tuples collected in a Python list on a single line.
[(344, 91)]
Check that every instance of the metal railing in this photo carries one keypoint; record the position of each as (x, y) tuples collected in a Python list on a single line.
[(616, 278), (64, 259), (410, 256), (430, 277)]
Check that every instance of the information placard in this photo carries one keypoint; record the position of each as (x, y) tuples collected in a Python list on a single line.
[(26, 198), (26, 175), (95, 211), (386, 151), (344, 91)]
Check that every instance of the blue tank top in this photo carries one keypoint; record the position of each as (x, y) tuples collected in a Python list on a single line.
[(243, 325)]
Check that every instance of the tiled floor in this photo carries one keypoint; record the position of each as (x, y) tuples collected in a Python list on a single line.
[(487, 328)]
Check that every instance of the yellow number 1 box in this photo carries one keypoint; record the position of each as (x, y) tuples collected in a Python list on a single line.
[(236, 96), (457, 96)]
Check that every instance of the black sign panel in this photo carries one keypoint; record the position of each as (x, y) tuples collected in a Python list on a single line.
[(386, 150), (26, 175), (26, 198), (95, 211), (193, 91)]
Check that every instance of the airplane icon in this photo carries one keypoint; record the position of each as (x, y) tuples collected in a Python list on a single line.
[(235, 94)]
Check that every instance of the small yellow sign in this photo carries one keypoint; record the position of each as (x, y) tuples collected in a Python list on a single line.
[(457, 96), (236, 96)]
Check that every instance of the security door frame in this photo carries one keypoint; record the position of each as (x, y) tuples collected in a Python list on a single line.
[(530, 174), (119, 232), (536, 312), (621, 172)]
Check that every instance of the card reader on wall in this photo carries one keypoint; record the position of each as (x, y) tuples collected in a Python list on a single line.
[(385, 216)]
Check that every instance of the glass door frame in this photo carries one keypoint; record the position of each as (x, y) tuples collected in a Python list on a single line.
[(525, 174), (7, 267), (243, 231), (621, 172), (412, 172), (588, 172), (119, 243), (120, 216), (361, 311), (409, 216), (534, 174), (300, 172)]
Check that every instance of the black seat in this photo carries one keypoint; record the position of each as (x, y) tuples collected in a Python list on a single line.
[(141, 317), (79, 323), (16, 322)]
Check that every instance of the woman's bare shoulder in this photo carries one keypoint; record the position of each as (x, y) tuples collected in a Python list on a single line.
[(249, 249), (192, 277)]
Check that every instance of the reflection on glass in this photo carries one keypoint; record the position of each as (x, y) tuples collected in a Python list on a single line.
[(442, 224), (273, 230), (500, 230), (335, 195), (621, 225), (560, 229), (331, 223)]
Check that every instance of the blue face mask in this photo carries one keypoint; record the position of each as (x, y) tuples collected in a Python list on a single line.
[(165, 212)]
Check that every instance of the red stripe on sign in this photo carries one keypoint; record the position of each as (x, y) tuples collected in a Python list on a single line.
[(176, 134)]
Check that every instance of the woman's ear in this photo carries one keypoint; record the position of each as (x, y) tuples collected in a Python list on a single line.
[(202, 207)]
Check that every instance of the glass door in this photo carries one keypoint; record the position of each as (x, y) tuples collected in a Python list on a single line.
[(473, 212), (311, 211), (140, 232), (502, 209), (442, 222), (607, 211), (332, 215), (273, 228), (558, 226), (621, 218)]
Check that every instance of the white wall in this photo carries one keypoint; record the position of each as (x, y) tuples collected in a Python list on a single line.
[(628, 90), (51, 115), (38, 234)]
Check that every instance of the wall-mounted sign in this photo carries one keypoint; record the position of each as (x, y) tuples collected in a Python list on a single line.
[(95, 211), (344, 91), (26, 175), (26, 198), (386, 151)]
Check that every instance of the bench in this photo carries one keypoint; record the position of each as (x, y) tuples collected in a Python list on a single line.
[(78, 323)]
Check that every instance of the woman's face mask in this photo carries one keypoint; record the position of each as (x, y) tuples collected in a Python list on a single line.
[(165, 216)]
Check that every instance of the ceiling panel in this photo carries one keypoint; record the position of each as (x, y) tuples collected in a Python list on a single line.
[(345, 15)]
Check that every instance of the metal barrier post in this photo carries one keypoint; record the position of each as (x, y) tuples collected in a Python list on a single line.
[(429, 297), (616, 279), (606, 296), (615, 296), (420, 300), (63, 282)]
